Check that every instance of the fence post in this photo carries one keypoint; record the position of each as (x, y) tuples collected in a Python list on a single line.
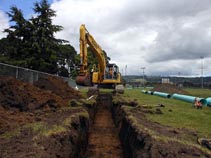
[(16, 73)]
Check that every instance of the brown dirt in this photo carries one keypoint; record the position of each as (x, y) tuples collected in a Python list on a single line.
[(18, 96), (26, 97), (24, 109), (103, 136), (57, 86), (48, 137), (10, 120), (32, 120), (167, 131), (168, 88), (143, 138)]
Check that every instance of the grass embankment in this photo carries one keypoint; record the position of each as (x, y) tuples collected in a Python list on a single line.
[(83, 92), (177, 113)]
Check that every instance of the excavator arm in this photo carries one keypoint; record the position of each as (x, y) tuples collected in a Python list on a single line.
[(86, 39), (106, 74)]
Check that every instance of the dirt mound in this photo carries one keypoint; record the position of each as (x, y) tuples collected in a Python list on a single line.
[(57, 86), (42, 134), (168, 88), (26, 97), (36, 122)]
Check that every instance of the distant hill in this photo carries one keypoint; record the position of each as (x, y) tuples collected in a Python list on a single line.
[(184, 81)]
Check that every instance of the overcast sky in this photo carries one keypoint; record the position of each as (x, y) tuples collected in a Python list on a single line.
[(167, 37)]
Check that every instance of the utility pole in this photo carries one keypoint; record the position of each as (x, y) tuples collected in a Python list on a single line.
[(143, 68), (202, 71), (125, 70)]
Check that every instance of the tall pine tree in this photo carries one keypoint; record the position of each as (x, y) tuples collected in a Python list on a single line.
[(32, 44), (16, 37), (44, 44)]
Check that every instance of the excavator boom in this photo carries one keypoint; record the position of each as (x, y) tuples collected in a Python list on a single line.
[(101, 74)]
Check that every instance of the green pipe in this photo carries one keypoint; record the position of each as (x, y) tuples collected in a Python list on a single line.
[(208, 101), (150, 92), (161, 94), (143, 91), (189, 99)]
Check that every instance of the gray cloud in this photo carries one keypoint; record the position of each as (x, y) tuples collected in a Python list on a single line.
[(167, 37), (184, 38), (4, 24)]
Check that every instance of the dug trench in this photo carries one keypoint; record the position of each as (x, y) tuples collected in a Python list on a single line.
[(122, 130), (103, 135), (142, 138), (44, 124)]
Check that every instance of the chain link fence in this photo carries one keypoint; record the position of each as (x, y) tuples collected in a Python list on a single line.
[(28, 75)]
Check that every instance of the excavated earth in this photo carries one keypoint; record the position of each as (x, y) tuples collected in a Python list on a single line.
[(50, 119), (142, 138), (38, 122), (103, 136), (168, 88)]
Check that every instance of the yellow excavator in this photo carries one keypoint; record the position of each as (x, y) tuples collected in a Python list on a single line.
[(105, 75)]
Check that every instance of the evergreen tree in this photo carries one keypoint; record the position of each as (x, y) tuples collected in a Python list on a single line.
[(44, 44), (31, 43), (16, 34)]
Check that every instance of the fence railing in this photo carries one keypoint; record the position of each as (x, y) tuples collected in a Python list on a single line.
[(28, 75)]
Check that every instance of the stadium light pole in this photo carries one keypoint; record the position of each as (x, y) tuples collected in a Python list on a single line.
[(202, 69), (143, 68)]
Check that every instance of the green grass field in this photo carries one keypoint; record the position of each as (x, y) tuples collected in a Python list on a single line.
[(204, 93), (177, 113)]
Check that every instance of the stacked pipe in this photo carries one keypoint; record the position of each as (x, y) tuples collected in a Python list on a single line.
[(150, 92), (186, 98), (161, 94), (189, 99)]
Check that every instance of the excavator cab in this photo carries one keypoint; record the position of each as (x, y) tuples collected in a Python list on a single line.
[(111, 72), (109, 78)]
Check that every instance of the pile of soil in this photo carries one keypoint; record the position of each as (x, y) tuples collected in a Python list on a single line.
[(41, 134), (11, 119), (22, 103), (36, 122), (58, 86), (26, 97), (169, 88)]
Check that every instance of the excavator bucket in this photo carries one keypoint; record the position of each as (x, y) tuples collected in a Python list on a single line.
[(84, 79)]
